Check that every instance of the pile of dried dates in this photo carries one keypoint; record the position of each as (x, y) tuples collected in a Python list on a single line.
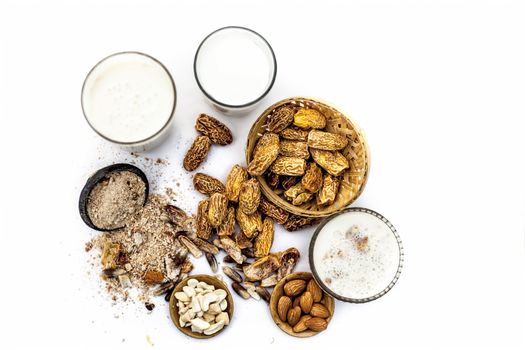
[(299, 158)]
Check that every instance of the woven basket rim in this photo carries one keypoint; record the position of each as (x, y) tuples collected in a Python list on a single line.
[(266, 190)]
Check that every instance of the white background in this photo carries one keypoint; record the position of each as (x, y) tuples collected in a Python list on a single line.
[(438, 87)]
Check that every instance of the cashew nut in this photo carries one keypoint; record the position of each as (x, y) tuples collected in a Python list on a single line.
[(200, 323), (214, 328), (223, 316)]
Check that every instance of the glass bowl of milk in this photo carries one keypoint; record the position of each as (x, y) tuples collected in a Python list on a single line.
[(356, 255), (129, 98), (235, 67)]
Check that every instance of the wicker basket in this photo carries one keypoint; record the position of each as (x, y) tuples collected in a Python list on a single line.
[(352, 181)]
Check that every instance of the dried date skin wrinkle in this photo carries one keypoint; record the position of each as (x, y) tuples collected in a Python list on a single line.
[(197, 153), (217, 131)]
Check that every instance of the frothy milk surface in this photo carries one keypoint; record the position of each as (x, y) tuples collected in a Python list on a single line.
[(128, 97), (234, 66), (356, 255)]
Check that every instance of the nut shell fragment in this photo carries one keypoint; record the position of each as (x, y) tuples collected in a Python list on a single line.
[(212, 261), (240, 290), (263, 292), (205, 246), (153, 277), (180, 220), (232, 249), (308, 118), (264, 154), (234, 181), (289, 166), (192, 248), (261, 268), (231, 273), (197, 153), (249, 196), (110, 254), (333, 162), (217, 131), (264, 240)]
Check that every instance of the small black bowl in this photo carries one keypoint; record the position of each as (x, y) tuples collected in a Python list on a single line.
[(99, 176)]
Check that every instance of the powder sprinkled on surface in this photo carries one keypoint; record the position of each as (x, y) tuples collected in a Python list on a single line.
[(144, 254)]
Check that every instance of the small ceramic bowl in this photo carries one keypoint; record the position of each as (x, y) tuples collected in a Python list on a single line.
[(278, 291), (98, 177), (174, 310)]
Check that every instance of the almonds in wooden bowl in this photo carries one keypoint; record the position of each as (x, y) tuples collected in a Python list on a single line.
[(300, 307)]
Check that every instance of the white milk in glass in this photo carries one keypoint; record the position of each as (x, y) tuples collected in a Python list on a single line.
[(356, 255), (234, 66), (128, 97)]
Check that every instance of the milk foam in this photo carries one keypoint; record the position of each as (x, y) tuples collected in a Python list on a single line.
[(351, 272), (128, 97)]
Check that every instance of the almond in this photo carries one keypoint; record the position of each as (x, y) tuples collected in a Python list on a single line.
[(316, 324), (296, 302), (301, 325), (294, 314), (319, 310), (283, 305), (294, 287), (306, 302), (315, 290)]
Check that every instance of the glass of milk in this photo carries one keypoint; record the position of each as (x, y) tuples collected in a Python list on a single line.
[(235, 68), (129, 98), (356, 255)]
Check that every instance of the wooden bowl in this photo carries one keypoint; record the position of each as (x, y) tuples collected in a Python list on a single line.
[(99, 176), (327, 301), (353, 180), (174, 310)]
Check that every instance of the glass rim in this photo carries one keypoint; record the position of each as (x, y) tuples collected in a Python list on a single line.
[(226, 105), (330, 291), (149, 138)]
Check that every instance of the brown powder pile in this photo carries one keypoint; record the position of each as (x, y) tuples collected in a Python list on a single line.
[(114, 200), (145, 254)]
